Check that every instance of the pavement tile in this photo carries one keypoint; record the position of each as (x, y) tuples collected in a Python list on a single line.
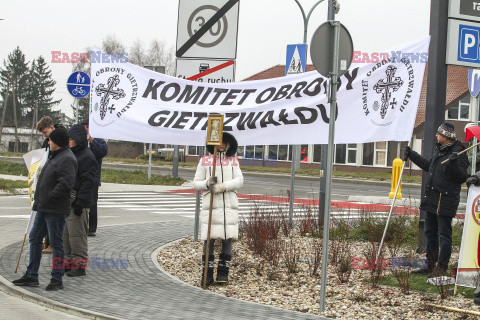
[(141, 291)]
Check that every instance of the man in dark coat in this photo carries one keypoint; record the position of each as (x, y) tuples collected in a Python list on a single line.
[(52, 203), (75, 236), (45, 126), (442, 194), (99, 149)]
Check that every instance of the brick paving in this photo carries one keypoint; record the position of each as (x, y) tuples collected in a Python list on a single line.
[(140, 291)]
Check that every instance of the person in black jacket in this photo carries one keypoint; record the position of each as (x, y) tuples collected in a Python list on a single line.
[(45, 126), (52, 203), (75, 236), (442, 194), (99, 149)]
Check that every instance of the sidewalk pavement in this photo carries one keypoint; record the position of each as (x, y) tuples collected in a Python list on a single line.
[(141, 290)]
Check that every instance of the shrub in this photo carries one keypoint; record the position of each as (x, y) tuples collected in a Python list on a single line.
[(155, 156)]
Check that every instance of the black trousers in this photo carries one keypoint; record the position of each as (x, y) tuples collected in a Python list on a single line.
[(92, 217)]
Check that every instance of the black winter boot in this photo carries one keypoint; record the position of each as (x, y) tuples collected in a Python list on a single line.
[(223, 266), (211, 259)]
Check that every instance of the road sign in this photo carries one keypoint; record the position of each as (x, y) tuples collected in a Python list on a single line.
[(474, 82), (463, 43), (296, 58), (78, 84), (207, 29), (223, 70), (464, 9), (321, 49)]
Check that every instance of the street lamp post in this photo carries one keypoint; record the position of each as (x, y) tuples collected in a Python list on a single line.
[(306, 18)]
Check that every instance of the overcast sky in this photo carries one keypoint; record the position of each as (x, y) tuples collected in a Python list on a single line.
[(265, 28)]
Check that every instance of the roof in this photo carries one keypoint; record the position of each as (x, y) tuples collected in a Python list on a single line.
[(457, 85)]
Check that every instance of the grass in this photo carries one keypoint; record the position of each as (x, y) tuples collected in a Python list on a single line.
[(108, 175), (11, 185), (418, 282), (380, 176), (138, 177), (16, 169)]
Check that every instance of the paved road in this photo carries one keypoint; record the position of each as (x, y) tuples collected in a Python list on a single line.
[(129, 229)]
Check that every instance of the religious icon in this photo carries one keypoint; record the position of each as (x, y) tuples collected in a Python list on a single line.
[(215, 129)]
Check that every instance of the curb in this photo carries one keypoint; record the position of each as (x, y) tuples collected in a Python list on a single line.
[(154, 255), (7, 287)]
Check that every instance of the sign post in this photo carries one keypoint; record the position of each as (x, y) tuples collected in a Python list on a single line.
[(474, 88), (296, 63), (78, 84), (206, 34), (160, 69), (331, 52)]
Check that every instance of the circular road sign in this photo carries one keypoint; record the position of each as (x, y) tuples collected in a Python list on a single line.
[(78, 84), (321, 49)]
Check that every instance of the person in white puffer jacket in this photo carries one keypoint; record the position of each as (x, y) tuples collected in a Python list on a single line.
[(224, 185)]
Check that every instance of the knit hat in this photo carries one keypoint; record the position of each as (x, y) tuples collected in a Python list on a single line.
[(447, 130), (59, 137)]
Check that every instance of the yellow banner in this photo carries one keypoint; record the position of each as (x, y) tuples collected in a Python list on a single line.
[(468, 273)]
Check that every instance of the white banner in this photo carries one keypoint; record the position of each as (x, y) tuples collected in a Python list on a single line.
[(468, 272), (376, 102)]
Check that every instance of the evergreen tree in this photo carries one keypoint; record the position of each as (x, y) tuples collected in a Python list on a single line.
[(40, 91), (16, 69)]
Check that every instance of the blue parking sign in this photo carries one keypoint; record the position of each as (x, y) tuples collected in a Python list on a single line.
[(468, 43), (78, 84)]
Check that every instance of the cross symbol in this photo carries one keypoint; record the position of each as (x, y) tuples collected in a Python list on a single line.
[(393, 103), (111, 108), (392, 83), (108, 91)]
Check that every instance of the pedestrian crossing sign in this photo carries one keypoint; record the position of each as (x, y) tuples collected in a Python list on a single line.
[(296, 58)]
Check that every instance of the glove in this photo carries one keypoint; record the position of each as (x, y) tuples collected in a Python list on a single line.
[(211, 181), (77, 210), (472, 180), (453, 157), (407, 153), (218, 188)]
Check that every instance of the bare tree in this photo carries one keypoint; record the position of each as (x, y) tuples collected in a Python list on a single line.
[(161, 55), (112, 45), (137, 54)]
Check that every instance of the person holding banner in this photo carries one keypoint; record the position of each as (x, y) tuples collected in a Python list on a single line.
[(52, 203), (45, 126), (223, 186), (441, 195)]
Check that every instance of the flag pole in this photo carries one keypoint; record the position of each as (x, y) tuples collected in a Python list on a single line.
[(32, 214), (391, 208), (21, 250)]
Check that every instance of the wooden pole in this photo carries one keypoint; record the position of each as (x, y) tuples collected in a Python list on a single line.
[(5, 107), (21, 250), (207, 252), (15, 118), (453, 309), (463, 151)]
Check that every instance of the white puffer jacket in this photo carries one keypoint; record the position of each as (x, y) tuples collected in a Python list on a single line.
[(225, 205)]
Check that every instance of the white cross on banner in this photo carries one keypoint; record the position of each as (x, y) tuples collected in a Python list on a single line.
[(376, 102)]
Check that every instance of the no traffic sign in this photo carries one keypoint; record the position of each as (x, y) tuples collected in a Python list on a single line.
[(207, 29)]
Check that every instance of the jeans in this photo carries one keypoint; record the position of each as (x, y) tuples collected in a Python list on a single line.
[(92, 216), (52, 224), (438, 229)]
